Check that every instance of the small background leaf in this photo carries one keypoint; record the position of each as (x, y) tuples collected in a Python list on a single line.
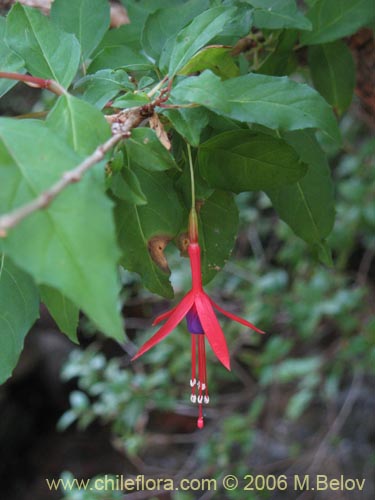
[(145, 149), (216, 58), (189, 122), (333, 73), (277, 14), (307, 206), (333, 20), (103, 86)]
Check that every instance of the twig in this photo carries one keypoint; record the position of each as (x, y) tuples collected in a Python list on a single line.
[(133, 118), (34, 81)]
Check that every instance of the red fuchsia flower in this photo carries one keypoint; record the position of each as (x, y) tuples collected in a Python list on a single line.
[(198, 308)]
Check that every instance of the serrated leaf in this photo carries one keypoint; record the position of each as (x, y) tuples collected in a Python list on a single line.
[(145, 149), (48, 52), (275, 102), (71, 244), (218, 225), (19, 308), (88, 20), (333, 73), (119, 57), (278, 14), (62, 310), (103, 86), (243, 161), (136, 225), (217, 58), (165, 23), (189, 122), (72, 119), (307, 206), (10, 61), (196, 35), (334, 20)]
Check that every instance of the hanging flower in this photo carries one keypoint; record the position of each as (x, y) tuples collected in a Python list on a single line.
[(198, 308)]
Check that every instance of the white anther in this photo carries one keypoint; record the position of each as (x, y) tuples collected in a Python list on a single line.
[(203, 386), (200, 400), (206, 400), (193, 382), (193, 398), (198, 384)]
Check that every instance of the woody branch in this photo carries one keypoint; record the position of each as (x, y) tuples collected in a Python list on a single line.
[(122, 129)]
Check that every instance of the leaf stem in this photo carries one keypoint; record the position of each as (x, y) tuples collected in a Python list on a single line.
[(191, 177), (193, 216)]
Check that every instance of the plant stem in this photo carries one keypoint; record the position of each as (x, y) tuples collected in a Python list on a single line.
[(191, 177), (134, 117), (193, 216), (34, 81)]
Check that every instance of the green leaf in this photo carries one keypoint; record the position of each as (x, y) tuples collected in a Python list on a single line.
[(62, 310), (243, 161), (10, 61), (125, 185), (217, 58), (218, 225), (137, 225), (189, 122), (165, 23), (119, 57), (19, 308), (73, 119), (145, 149), (333, 73), (131, 100), (48, 52), (88, 20), (333, 20), (275, 102), (103, 86), (71, 244), (278, 14), (307, 206), (282, 60), (196, 35)]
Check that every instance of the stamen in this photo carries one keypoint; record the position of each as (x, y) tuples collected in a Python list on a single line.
[(193, 398), (206, 399), (193, 382)]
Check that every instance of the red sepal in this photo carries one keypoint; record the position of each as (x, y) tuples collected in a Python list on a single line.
[(212, 328), (175, 318)]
